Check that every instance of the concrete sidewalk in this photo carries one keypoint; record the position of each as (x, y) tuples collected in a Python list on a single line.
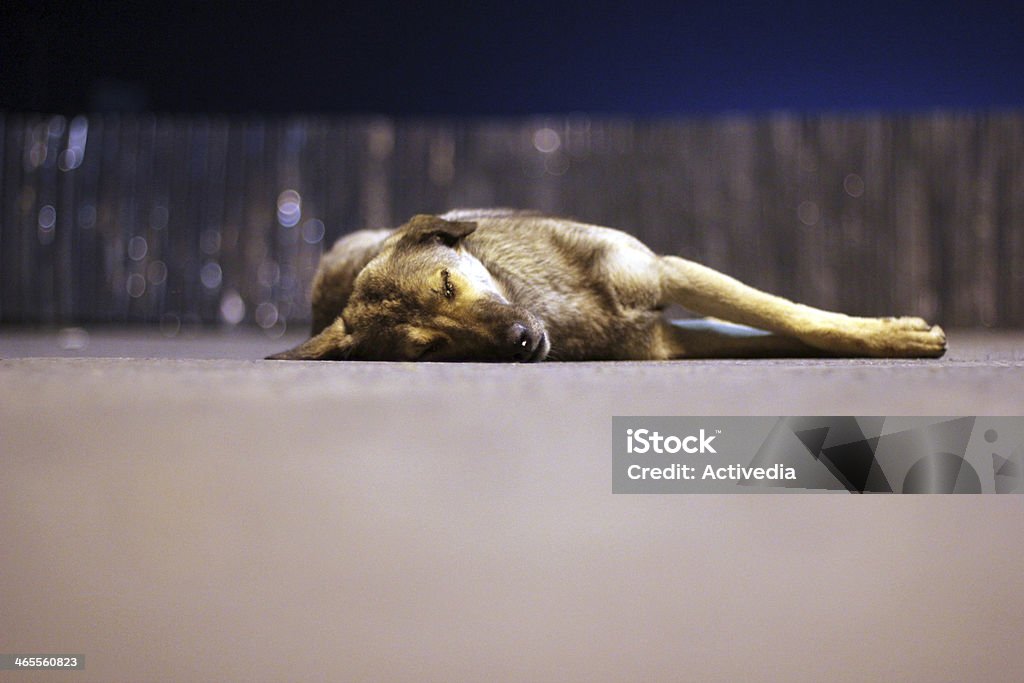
[(252, 344), (201, 515)]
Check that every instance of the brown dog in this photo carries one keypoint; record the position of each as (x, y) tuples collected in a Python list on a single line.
[(499, 285)]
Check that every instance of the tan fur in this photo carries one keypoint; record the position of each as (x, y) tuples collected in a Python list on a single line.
[(501, 285)]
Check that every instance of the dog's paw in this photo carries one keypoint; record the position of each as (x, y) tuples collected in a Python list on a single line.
[(937, 338), (915, 342), (930, 343), (883, 338), (904, 337)]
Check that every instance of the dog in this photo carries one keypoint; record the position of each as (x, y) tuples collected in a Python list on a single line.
[(513, 286)]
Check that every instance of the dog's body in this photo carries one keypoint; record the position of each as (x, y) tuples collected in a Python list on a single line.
[(501, 285)]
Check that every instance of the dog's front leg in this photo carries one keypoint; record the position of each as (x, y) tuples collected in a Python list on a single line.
[(709, 292)]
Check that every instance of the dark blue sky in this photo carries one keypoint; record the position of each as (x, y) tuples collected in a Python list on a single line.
[(511, 58)]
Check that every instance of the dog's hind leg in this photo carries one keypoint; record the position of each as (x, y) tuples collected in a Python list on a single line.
[(708, 292)]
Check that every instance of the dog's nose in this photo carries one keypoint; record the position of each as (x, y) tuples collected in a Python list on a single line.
[(521, 341)]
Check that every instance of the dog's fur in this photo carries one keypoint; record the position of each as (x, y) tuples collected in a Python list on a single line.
[(500, 285)]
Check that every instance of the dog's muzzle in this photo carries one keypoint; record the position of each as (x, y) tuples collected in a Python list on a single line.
[(526, 345)]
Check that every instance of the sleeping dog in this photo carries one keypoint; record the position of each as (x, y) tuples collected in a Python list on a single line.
[(502, 285)]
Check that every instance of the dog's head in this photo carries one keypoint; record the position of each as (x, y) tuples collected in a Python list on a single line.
[(425, 297)]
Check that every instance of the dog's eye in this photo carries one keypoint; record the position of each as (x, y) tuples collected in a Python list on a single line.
[(446, 283), (444, 238)]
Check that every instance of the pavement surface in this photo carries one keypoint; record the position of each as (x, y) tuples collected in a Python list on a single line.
[(174, 509)]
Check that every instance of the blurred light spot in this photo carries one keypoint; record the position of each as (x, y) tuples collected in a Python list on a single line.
[(381, 140), (854, 185), (78, 136), (313, 231), (68, 160), (268, 273), (266, 315), (209, 241), (136, 285), (36, 156), (170, 325), (289, 208), (156, 272), (47, 217), (137, 248), (36, 147), (808, 213), (47, 221), (210, 275), (277, 329), (72, 338), (232, 308), (158, 217), (72, 157), (546, 140), (87, 216)]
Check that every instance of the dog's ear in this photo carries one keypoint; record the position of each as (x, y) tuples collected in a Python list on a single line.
[(425, 227), (333, 343)]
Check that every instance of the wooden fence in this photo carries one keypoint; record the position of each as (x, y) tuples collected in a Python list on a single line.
[(191, 221)]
